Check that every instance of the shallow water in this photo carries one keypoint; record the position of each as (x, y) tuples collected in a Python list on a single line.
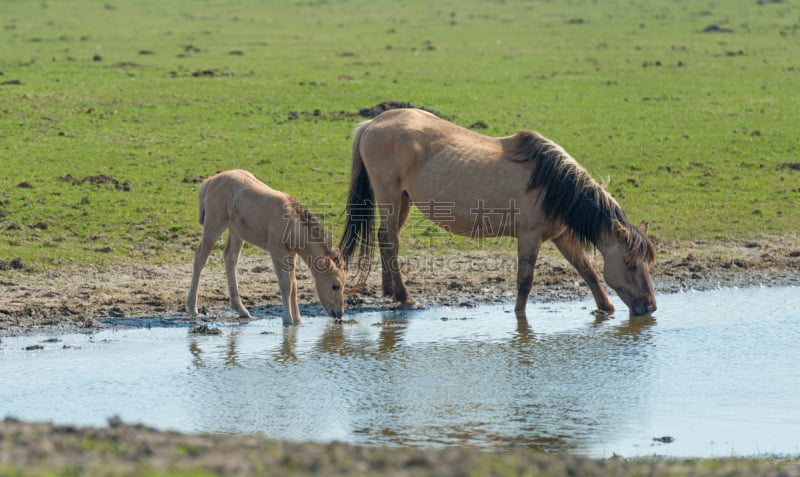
[(714, 372)]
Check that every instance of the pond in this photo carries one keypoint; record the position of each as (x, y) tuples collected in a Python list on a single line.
[(713, 374)]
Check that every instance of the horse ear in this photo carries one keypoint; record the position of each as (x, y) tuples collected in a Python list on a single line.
[(325, 264), (645, 225), (334, 262), (620, 231)]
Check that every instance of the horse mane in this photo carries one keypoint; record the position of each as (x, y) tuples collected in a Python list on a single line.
[(315, 232), (572, 197)]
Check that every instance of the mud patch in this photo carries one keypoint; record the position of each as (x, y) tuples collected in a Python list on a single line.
[(366, 112), (211, 73), (373, 111), (13, 264), (319, 115), (102, 179), (714, 28)]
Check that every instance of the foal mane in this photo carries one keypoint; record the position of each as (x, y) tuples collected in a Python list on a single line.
[(315, 232), (572, 197)]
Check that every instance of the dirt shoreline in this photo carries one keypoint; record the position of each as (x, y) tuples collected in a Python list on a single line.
[(92, 298)]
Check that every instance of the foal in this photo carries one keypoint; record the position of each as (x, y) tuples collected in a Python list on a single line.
[(276, 222)]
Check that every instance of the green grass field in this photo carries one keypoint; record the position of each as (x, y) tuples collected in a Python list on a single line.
[(110, 111)]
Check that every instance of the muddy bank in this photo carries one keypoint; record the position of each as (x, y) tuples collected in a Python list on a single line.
[(89, 297), (122, 449)]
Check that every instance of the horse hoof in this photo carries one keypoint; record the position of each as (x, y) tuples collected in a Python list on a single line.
[(408, 305), (603, 314)]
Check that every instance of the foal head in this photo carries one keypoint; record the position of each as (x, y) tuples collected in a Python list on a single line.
[(329, 278), (627, 267), (324, 260)]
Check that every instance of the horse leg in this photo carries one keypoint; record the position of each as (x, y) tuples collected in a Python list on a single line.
[(210, 235), (293, 295), (574, 253), (389, 243), (284, 264), (387, 282), (527, 253), (231, 256)]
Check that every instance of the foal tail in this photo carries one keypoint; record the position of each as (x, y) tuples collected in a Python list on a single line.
[(202, 217), (359, 229)]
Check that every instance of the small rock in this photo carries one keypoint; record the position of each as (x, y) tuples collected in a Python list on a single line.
[(205, 330), (116, 312)]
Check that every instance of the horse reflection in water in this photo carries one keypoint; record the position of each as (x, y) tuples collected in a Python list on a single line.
[(409, 156)]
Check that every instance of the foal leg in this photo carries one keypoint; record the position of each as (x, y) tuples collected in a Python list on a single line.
[(232, 250), (574, 253), (210, 235), (284, 264), (293, 295), (527, 252)]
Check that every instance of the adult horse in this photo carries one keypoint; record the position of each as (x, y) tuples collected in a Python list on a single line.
[(276, 222), (524, 186)]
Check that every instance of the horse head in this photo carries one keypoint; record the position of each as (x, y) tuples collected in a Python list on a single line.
[(628, 259)]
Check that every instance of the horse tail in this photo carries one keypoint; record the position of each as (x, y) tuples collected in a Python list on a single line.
[(359, 228)]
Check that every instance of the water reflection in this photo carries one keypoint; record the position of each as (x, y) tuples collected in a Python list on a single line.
[(286, 353), (337, 338), (231, 354), (421, 380), (197, 353), (391, 334)]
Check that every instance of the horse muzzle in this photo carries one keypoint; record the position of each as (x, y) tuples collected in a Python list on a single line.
[(336, 313), (645, 307)]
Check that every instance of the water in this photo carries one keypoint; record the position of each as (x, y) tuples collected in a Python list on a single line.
[(714, 372)]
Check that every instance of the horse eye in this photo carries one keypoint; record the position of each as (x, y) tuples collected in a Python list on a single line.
[(336, 287)]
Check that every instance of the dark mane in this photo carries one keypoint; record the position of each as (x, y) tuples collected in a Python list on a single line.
[(572, 197)]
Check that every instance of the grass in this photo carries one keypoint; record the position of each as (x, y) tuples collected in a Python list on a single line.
[(112, 111)]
